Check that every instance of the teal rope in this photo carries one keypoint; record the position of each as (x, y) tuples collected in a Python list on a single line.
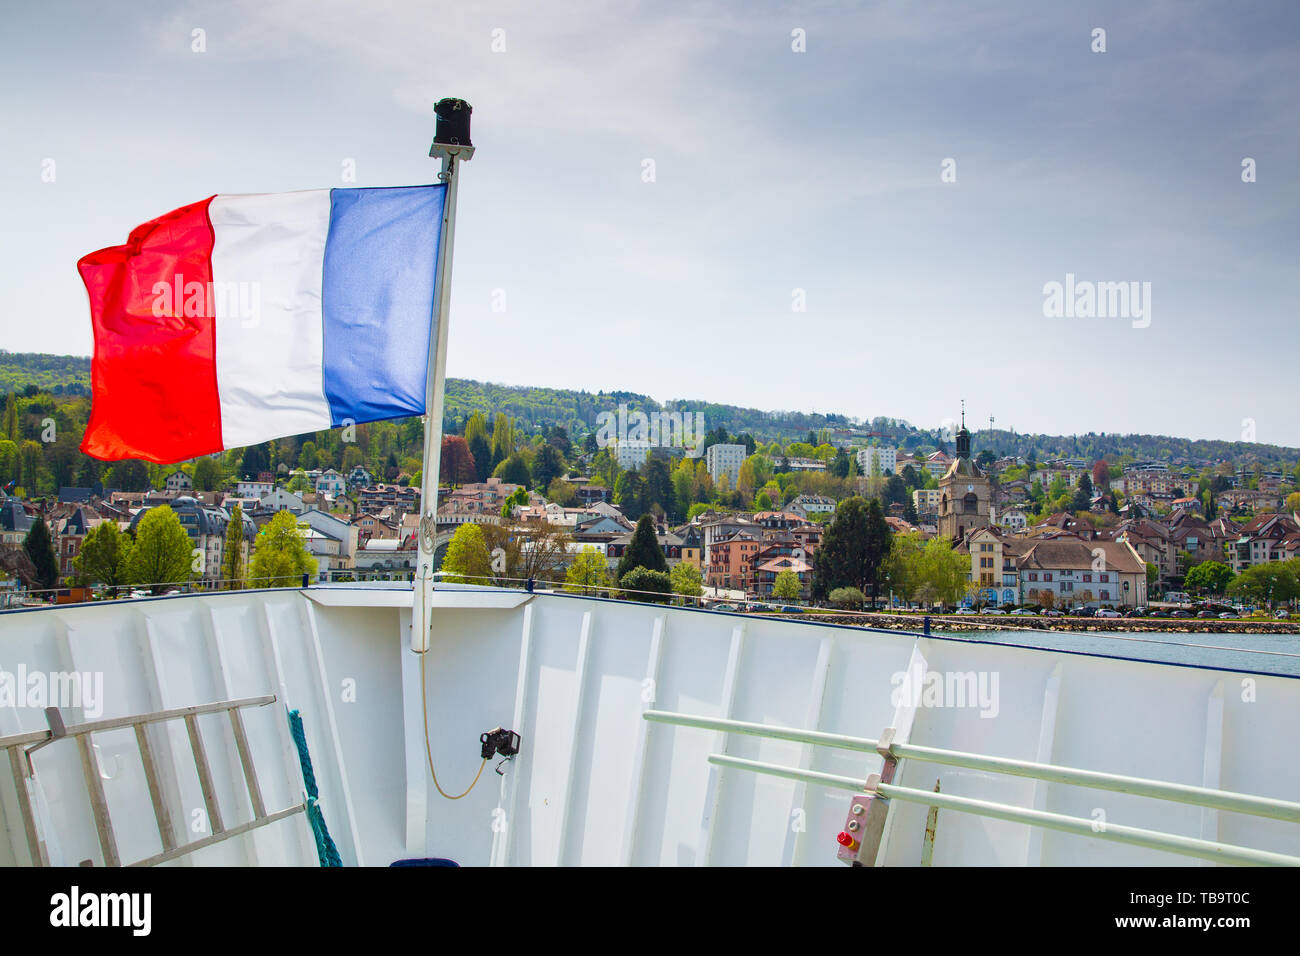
[(325, 848)]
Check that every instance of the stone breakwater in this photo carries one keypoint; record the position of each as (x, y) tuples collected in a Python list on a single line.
[(956, 622)]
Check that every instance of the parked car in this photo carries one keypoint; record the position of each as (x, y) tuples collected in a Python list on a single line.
[(1229, 616), (791, 609), (1283, 614), (1023, 612), (1108, 612), (1180, 613), (1084, 612), (723, 607), (993, 610), (1157, 613), (1053, 612)]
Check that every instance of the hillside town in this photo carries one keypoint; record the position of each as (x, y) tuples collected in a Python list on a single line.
[(739, 523)]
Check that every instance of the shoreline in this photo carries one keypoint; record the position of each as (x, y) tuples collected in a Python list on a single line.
[(967, 623)]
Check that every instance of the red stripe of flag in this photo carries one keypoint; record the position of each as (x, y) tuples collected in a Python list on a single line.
[(154, 373)]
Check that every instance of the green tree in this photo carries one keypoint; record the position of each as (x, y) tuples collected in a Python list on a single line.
[(514, 470), (105, 556), (687, 580), (480, 447), (641, 579), (945, 573), (280, 558), (40, 548), (588, 571), (1273, 581), (127, 475), (163, 552), (547, 466), (562, 493), (1209, 577), (643, 551), (207, 474), (847, 598), (853, 550), (232, 554), (629, 493), (468, 560), (786, 586)]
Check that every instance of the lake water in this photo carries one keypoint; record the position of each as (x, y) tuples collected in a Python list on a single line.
[(1255, 653)]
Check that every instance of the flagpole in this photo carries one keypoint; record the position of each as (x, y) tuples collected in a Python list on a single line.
[(451, 142)]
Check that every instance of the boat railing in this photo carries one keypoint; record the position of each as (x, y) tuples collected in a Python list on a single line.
[(860, 840), (23, 769)]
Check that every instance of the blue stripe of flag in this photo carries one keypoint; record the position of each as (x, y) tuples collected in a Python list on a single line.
[(377, 292)]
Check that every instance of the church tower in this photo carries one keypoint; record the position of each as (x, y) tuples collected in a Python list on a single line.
[(965, 496)]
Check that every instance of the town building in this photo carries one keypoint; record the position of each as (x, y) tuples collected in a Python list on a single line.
[(724, 460), (965, 497)]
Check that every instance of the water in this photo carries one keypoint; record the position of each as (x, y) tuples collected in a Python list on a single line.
[(1256, 653)]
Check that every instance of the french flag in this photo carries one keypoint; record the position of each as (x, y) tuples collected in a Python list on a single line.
[(240, 319)]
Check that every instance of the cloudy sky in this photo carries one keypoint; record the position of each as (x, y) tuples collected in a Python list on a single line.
[(775, 169)]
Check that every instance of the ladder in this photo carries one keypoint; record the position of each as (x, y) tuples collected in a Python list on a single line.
[(20, 748)]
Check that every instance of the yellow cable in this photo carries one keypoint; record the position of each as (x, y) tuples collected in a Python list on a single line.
[(424, 710)]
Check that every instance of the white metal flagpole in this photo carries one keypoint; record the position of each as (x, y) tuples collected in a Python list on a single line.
[(451, 141)]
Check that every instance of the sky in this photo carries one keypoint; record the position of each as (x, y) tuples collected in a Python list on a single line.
[(830, 207)]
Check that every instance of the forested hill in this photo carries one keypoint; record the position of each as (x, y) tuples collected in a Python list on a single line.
[(577, 411)]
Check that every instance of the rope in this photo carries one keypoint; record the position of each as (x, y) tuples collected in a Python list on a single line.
[(326, 851), (428, 751)]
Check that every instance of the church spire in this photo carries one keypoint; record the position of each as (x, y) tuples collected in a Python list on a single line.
[(963, 436)]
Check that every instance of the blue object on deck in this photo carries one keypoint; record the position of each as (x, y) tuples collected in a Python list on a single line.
[(428, 861), (325, 849)]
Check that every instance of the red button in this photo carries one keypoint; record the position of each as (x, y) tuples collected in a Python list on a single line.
[(846, 839)]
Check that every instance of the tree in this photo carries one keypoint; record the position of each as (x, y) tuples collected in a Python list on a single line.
[(232, 554), (786, 587), (562, 493), (853, 550), (543, 550), (40, 548), (1100, 475), (163, 552), (1209, 577), (848, 597), (944, 572), (280, 558), (641, 579), (468, 560), (127, 475), (456, 466), (1273, 581), (207, 475), (1292, 501), (104, 556), (659, 487), (257, 459), (629, 493), (480, 448), (514, 470), (588, 571), (1083, 494), (687, 580), (547, 466), (904, 566), (643, 551)]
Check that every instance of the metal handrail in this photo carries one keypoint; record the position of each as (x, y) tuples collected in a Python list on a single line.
[(1159, 789), (1095, 779), (1117, 833)]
